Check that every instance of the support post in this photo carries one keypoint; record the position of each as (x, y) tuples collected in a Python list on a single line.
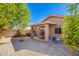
[(47, 32)]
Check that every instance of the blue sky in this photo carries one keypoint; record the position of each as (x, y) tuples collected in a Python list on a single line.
[(39, 11)]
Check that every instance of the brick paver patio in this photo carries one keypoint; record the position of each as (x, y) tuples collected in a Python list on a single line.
[(30, 47), (51, 49)]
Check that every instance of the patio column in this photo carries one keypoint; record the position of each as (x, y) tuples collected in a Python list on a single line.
[(46, 32)]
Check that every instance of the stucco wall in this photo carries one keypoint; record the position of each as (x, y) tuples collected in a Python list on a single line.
[(9, 33), (54, 20), (52, 29), (50, 24)]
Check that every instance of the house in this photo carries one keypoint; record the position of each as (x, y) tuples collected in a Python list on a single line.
[(50, 26)]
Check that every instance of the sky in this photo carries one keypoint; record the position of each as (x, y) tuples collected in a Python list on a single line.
[(39, 11)]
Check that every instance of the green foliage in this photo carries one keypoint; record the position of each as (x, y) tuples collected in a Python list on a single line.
[(20, 33), (71, 27), (22, 15), (12, 14)]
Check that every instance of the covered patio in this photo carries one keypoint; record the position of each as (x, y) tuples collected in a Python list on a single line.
[(43, 30), (49, 27)]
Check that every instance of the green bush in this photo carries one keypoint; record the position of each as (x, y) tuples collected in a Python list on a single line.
[(71, 28), (19, 34)]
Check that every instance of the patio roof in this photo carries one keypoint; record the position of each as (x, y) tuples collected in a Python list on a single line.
[(55, 16), (41, 23)]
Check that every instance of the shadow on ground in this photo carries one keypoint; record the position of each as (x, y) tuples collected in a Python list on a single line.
[(4, 43)]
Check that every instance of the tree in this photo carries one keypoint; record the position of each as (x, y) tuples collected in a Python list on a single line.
[(71, 28), (22, 15), (13, 15)]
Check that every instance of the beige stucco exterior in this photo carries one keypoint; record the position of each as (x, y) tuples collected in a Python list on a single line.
[(49, 24)]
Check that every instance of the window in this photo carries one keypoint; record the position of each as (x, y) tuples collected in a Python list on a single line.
[(57, 30)]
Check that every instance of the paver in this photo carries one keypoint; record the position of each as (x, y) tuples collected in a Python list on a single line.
[(6, 48), (30, 47), (40, 47)]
